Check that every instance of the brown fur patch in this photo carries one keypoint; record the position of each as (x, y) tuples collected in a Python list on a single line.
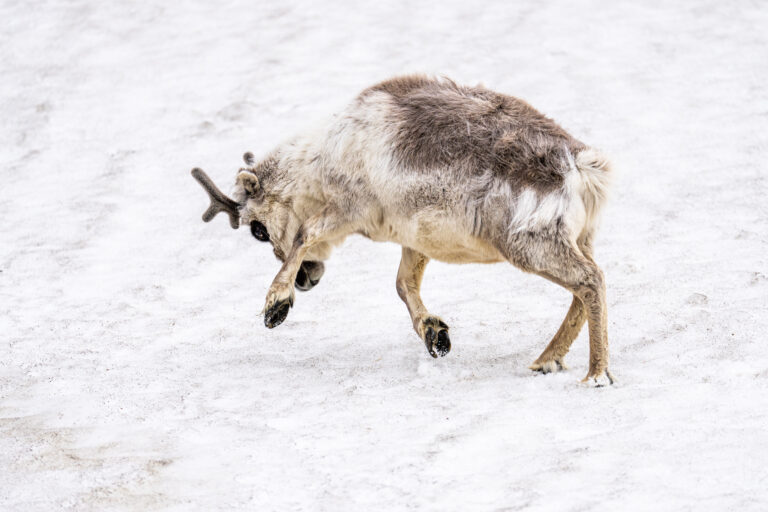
[(473, 130), (400, 86)]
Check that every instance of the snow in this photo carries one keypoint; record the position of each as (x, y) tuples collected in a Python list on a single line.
[(136, 373)]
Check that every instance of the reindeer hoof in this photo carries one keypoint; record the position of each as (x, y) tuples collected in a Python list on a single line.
[(277, 313), (551, 366), (599, 379), (436, 337), (309, 275)]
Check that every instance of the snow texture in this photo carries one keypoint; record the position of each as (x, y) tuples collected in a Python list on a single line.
[(136, 373)]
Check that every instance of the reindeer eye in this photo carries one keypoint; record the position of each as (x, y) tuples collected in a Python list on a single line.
[(259, 231)]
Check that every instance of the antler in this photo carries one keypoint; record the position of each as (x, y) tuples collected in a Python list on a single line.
[(219, 202)]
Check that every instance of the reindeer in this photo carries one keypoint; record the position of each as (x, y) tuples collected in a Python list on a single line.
[(453, 173)]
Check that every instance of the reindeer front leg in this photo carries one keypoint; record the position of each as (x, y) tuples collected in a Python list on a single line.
[(431, 329), (326, 225)]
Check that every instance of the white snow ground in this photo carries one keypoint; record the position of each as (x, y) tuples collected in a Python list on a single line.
[(136, 373)]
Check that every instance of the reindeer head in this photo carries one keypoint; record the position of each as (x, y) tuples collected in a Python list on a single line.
[(255, 209)]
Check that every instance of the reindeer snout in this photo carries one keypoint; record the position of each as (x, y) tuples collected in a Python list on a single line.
[(309, 275)]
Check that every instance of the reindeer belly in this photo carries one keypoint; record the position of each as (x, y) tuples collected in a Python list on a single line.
[(439, 237), (452, 248)]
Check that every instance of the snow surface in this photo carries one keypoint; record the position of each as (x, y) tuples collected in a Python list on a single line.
[(136, 373)]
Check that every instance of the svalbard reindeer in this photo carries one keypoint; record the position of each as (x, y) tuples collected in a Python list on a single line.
[(452, 173)]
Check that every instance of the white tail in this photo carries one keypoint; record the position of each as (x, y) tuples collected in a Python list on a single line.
[(595, 170)]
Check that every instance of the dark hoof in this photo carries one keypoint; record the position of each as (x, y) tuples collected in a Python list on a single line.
[(436, 337), (277, 313), (309, 275)]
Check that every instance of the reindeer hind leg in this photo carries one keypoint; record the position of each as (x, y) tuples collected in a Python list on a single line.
[(552, 359), (552, 256)]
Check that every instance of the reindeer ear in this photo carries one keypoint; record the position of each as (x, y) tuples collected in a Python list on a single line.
[(248, 158), (249, 181)]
